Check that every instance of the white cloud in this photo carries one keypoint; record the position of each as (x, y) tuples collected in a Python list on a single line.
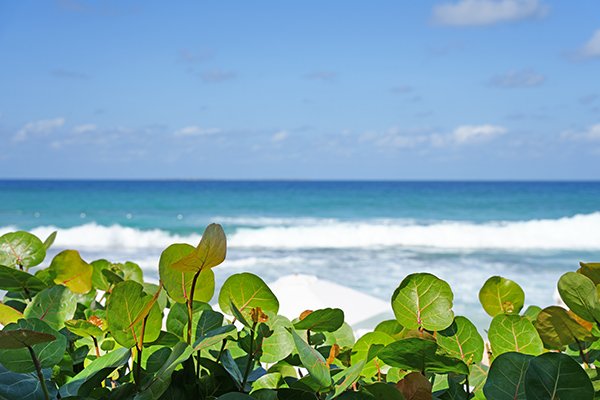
[(592, 48), (518, 79), (475, 133), (84, 128), (592, 133), (279, 136), (41, 127), (194, 130), (487, 12), (461, 135)]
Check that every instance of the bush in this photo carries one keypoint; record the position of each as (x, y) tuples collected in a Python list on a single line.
[(97, 331)]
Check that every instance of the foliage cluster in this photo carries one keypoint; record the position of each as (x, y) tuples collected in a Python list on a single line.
[(97, 331)]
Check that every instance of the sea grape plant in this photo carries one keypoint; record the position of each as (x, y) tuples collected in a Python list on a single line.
[(74, 329)]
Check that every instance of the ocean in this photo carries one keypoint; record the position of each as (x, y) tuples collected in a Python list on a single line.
[(364, 235)]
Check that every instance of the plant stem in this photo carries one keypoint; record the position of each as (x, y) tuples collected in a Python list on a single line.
[(190, 305), (198, 363), (583, 356), (250, 356), (140, 347), (222, 349), (468, 387), (40, 375), (308, 336), (96, 346)]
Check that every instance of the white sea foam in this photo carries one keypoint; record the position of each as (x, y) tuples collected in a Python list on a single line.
[(580, 232)]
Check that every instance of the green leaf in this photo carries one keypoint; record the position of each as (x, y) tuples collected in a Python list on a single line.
[(416, 354), (70, 270), (347, 378), (235, 396), (532, 312), (23, 338), (281, 343), (392, 328), (382, 391), (123, 306), (514, 333), (99, 281), (506, 377), (179, 284), (49, 353), (462, 340), (324, 320), (209, 253), (14, 280), (313, 361), (501, 296), (268, 381), (54, 305), (178, 318), (213, 337), (49, 240), (554, 376), (95, 373), (25, 386), (247, 291), (8, 314), (83, 328), (343, 337), (591, 270), (579, 294), (159, 383), (21, 249), (366, 348), (558, 329), (423, 301)]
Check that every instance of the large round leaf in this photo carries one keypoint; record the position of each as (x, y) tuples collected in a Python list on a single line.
[(23, 338), (591, 270), (280, 344), (366, 349), (25, 386), (579, 294), (423, 301), (123, 308), (54, 305), (559, 329), (514, 333), (179, 284), (247, 291), (501, 296), (14, 280), (49, 353), (69, 269), (415, 354), (83, 328), (506, 377), (462, 340), (556, 376), (21, 249), (209, 253)]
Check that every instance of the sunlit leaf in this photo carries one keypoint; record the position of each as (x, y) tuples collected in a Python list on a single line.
[(423, 301), (54, 305), (21, 249), (501, 296), (462, 340), (324, 320), (313, 361), (579, 294), (514, 333), (247, 291), (209, 253), (69, 269)]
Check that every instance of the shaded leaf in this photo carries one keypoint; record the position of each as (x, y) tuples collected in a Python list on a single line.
[(554, 376), (94, 373), (506, 377), (49, 353), (54, 305), (25, 386), (415, 386), (324, 320), (23, 338), (579, 294), (415, 354), (558, 329), (14, 280), (313, 361)]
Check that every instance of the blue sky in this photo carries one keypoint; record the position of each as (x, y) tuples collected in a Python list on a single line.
[(469, 89)]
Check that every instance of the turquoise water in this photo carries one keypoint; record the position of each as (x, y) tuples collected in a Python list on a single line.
[(366, 235)]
